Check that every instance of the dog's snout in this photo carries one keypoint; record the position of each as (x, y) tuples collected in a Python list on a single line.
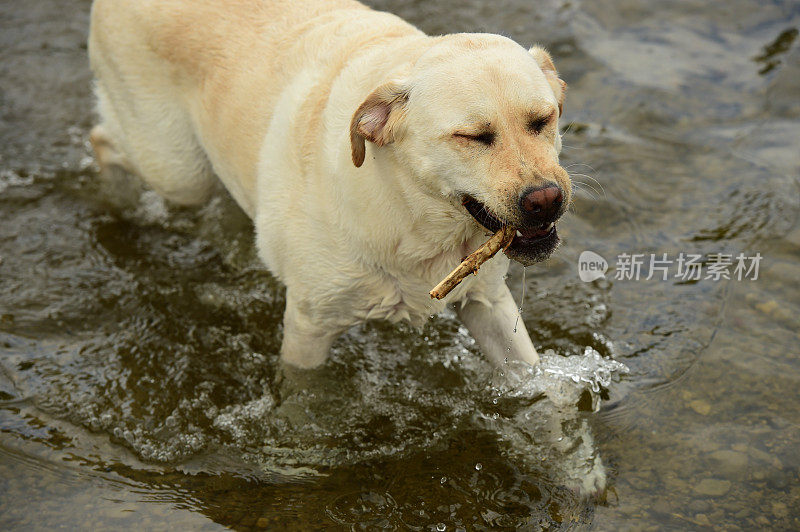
[(542, 204)]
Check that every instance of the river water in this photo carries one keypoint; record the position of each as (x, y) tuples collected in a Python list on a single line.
[(138, 345)]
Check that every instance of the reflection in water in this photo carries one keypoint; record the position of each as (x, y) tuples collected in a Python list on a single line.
[(552, 432)]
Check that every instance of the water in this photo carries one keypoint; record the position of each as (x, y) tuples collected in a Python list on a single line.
[(138, 346)]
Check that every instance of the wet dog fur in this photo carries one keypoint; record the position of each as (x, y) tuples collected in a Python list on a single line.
[(350, 138)]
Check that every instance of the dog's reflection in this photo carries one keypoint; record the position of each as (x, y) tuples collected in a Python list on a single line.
[(543, 417), (556, 438)]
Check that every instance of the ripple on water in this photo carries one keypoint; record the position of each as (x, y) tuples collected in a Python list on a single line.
[(171, 351)]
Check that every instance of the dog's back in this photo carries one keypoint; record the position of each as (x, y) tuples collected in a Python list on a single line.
[(187, 88)]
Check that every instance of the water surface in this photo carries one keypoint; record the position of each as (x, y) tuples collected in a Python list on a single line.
[(138, 346)]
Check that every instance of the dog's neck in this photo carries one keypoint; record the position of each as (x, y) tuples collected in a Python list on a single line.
[(429, 233)]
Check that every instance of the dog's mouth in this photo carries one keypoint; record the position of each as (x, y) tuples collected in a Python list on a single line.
[(531, 244)]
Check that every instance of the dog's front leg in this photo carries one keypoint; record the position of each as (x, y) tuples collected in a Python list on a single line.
[(499, 329), (306, 342)]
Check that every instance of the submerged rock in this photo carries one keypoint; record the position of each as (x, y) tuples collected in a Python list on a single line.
[(712, 487), (700, 406)]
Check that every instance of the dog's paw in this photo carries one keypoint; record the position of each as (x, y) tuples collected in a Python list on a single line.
[(589, 481)]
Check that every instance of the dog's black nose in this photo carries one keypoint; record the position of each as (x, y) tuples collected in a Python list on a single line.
[(542, 204)]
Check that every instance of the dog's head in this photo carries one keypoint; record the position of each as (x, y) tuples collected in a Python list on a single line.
[(476, 120)]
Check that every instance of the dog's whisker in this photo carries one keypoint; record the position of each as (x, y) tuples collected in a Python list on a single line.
[(579, 164), (568, 147), (588, 189), (585, 184), (599, 184), (602, 189), (586, 176), (590, 195)]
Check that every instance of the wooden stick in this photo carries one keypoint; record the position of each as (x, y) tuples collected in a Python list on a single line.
[(500, 240)]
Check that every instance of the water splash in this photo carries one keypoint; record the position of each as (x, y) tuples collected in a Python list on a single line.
[(539, 420), (521, 299), (562, 379)]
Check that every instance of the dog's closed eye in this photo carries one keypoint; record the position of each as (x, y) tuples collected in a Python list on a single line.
[(486, 138), (538, 123)]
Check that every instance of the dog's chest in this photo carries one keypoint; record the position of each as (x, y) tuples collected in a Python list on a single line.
[(406, 297), (396, 300)]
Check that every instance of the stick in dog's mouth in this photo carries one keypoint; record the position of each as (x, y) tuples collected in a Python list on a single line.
[(500, 240)]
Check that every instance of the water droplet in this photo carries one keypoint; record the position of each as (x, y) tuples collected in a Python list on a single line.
[(478, 466), (494, 401), (505, 360), (443, 480), (441, 527)]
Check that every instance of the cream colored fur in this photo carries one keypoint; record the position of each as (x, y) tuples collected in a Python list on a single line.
[(281, 100)]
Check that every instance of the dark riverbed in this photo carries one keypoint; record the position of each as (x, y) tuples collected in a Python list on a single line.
[(137, 347)]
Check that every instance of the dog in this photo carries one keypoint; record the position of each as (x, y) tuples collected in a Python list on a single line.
[(371, 157)]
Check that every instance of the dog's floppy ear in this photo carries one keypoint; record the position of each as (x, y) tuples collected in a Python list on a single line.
[(549, 69), (376, 119)]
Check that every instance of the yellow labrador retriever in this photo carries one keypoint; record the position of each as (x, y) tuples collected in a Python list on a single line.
[(371, 157)]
